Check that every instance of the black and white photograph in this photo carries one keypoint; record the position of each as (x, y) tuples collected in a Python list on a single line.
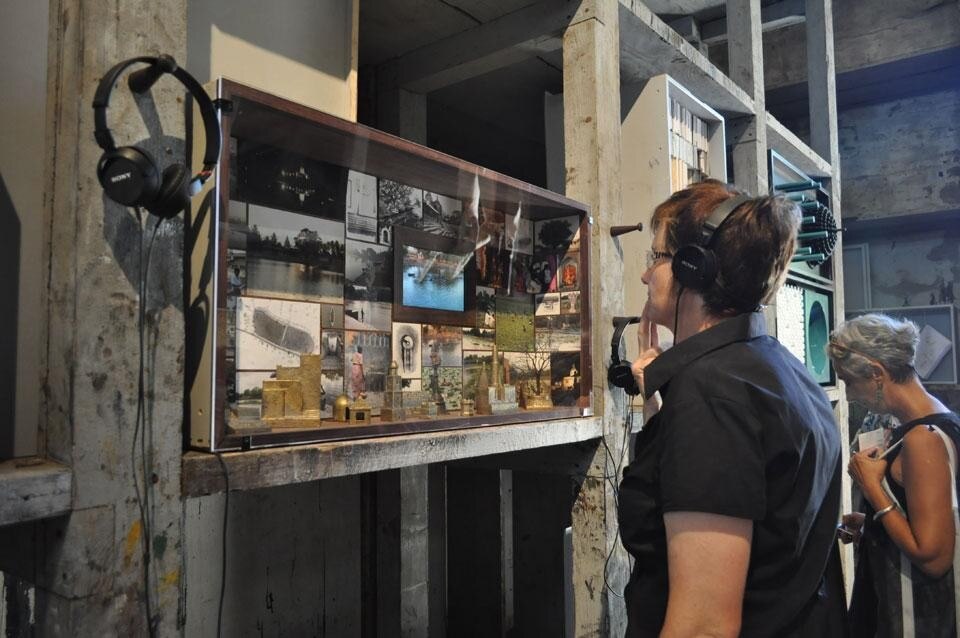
[(548, 304), (275, 332), (280, 179), (367, 315), (398, 205), (486, 307), (368, 357), (473, 361), (441, 214), (559, 235), (519, 236), (331, 349), (331, 316), (332, 383), (294, 256), (569, 272), (236, 276), (442, 345), (361, 210), (570, 302), (515, 324), (558, 333), (478, 338), (565, 378), (407, 339), (250, 393), (368, 274)]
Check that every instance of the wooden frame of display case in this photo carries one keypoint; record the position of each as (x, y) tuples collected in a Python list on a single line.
[(261, 118)]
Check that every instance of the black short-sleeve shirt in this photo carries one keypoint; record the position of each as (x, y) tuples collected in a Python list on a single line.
[(744, 431)]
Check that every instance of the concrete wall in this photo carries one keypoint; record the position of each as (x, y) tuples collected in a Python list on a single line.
[(23, 93), (901, 157)]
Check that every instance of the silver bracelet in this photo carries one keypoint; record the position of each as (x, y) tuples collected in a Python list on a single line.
[(886, 510)]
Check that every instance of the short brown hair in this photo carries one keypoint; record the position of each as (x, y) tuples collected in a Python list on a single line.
[(753, 247)]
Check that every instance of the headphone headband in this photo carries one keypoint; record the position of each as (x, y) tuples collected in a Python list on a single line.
[(717, 218), (159, 66)]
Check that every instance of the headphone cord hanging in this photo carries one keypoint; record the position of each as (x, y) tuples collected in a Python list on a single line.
[(676, 316), (143, 500)]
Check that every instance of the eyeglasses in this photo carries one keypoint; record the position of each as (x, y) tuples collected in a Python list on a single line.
[(655, 256)]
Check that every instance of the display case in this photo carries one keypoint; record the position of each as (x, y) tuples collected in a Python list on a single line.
[(346, 283)]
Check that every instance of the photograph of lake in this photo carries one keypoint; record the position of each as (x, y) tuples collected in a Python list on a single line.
[(432, 279), (294, 256)]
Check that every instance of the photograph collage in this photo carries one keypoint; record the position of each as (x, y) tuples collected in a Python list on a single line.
[(320, 262)]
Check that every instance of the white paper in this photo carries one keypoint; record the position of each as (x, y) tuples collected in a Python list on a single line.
[(867, 440), (930, 351)]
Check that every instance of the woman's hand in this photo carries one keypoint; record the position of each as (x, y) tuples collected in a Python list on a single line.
[(866, 469), (648, 342)]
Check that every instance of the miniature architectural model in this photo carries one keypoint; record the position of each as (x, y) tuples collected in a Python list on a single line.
[(293, 399)]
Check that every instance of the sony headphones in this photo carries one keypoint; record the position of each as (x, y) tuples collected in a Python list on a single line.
[(619, 373), (128, 174), (695, 265)]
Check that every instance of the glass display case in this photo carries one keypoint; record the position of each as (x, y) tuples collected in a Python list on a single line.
[(347, 283)]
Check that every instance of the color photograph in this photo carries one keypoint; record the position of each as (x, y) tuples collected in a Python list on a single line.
[(272, 332), (432, 280), (486, 307), (367, 363), (294, 256), (570, 302), (543, 274), (442, 345), (478, 338), (514, 324), (250, 393), (558, 333), (472, 362), (449, 385), (565, 378), (569, 274)]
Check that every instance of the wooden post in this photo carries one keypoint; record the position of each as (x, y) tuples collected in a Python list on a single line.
[(591, 81), (748, 135)]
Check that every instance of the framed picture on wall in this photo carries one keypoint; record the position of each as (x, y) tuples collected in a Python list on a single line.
[(434, 279)]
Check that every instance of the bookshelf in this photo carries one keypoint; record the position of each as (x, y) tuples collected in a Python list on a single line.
[(669, 139)]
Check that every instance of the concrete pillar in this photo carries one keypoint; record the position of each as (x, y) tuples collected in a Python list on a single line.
[(591, 95), (89, 567), (748, 135)]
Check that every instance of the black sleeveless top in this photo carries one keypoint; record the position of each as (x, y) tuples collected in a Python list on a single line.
[(876, 605)]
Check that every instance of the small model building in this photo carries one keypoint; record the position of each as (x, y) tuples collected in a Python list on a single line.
[(292, 399), (392, 409)]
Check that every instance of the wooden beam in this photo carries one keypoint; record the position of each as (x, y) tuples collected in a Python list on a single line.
[(33, 488), (773, 16), (517, 36), (268, 467), (649, 47)]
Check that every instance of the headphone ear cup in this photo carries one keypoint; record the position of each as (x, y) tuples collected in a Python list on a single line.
[(621, 375), (128, 176), (173, 195), (694, 267)]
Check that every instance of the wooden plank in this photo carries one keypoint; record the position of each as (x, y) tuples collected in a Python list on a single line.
[(649, 47), (748, 136), (294, 464), (516, 36), (33, 488)]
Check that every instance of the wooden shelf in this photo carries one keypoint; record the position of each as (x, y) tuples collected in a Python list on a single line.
[(33, 488), (252, 469), (649, 47), (786, 143)]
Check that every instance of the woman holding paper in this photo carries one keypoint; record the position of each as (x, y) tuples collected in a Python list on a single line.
[(904, 582)]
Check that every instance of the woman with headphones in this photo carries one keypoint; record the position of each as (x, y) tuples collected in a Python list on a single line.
[(731, 503)]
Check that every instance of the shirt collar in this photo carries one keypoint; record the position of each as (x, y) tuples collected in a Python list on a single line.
[(740, 328)]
